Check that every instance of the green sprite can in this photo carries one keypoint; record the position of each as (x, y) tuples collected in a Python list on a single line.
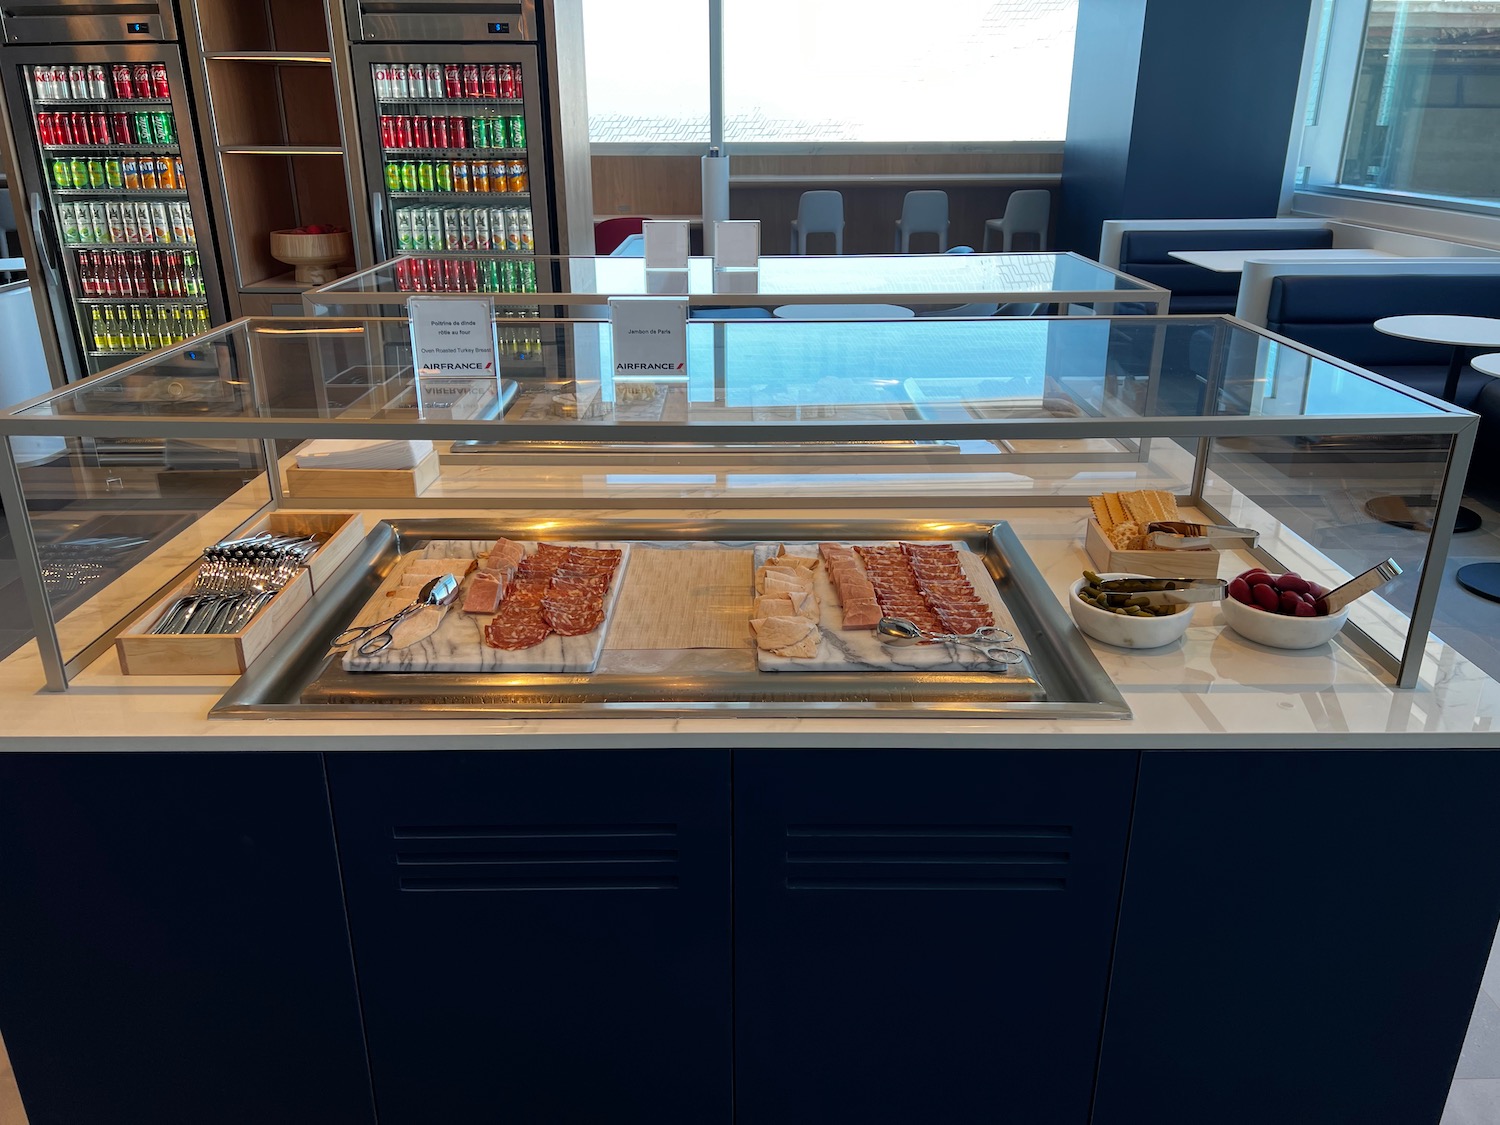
[(491, 271), (515, 131), (161, 129), (528, 276), (510, 276), (479, 132)]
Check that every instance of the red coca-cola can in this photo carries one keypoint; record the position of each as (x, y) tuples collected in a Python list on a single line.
[(439, 130), (452, 277), (159, 85), (99, 129), (421, 133), (458, 133), (403, 132), (403, 274), (62, 129), (80, 124), (120, 79), (122, 126), (489, 81), (140, 78), (471, 80), (507, 80), (387, 131), (453, 85), (516, 78), (471, 275), (44, 129)]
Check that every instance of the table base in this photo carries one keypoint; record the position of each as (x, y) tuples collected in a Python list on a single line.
[(1482, 579), (1414, 513)]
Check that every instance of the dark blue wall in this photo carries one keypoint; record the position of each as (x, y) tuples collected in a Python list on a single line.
[(1179, 109)]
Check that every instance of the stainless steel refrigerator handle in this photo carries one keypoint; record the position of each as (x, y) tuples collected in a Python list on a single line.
[(377, 209)]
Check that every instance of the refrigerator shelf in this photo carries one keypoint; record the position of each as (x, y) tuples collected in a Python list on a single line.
[(114, 150), (174, 245), (456, 103), (74, 103), (452, 153), (122, 300), (121, 193), (457, 196)]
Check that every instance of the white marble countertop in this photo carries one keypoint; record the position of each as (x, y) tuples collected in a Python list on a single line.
[(1211, 690)]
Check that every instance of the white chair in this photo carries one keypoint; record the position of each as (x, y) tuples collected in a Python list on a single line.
[(923, 212), (819, 212), (1026, 212)]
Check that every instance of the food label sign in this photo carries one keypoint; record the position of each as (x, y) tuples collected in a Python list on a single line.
[(649, 335), (453, 344)]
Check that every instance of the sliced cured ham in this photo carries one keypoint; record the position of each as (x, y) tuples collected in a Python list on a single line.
[(862, 614), (485, 592)]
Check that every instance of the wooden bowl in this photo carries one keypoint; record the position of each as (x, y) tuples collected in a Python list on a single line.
[(314, 255)]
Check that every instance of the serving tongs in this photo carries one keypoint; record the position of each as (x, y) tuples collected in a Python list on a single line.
[(1181, 535), (1162, 591)]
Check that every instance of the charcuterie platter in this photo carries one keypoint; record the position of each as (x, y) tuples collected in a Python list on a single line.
[(563, 631)]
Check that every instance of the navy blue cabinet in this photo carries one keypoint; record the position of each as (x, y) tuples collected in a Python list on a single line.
[(542, 937), (1302, 936), (172, 941), (923, 936)]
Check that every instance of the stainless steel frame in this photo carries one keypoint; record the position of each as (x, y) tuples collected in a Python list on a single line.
[(88, 21), (456, 21), (297, 678)]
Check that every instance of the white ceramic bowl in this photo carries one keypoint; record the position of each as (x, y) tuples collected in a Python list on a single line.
[(1123, 630), (1278, 630)]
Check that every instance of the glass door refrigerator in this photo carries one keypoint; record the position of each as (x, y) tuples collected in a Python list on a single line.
[(112, 177), (452, 137)]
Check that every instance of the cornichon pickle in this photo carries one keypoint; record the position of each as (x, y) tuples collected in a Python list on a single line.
[(1126, 603)]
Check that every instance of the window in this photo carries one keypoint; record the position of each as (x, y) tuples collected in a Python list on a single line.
[(647, 67)]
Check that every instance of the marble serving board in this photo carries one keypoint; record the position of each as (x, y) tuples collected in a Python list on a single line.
[(458, 643), (861, 650)]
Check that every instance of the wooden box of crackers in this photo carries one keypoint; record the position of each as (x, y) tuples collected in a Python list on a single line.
[(1115, 537)]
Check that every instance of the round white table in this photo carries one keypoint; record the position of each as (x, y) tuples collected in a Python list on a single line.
[(1462, 333), (1482, 578), (1486, 364), (844, 312)]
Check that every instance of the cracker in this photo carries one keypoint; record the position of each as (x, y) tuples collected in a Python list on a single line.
[(1101, 513)]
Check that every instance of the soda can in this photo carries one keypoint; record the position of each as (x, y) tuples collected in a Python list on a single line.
[(122, 127), (41, 83), (187, 223), (432, 219), (513, 230), (62, 174), (392, 175), (178, 214), (419, 275), (452, 231), (452, 276), (79, 169), (443, 174), (453, 86), (510, 277), (528, 236), (516, 177), (44, 133), (470, 270), (96, 173), (489, 81), (416, 221), (461, 175), (528, 275), (130, 173), (497, 175), (382, 75), (466, 227), (497, 229), (98, 223), (408, 175), (142, 127), (99, 130), (435, 85), (404, 240), (78, 83), (166, 175), (491, 270), (79, 124), (159, 84), (471, 80), (147, 168), (145, 221), (120, 78), (505, 83), (438, 129), (387, 131), (416, 80), (162, 130), (98, 82), (140, 80), (62, 129), (515, 131), (479, 176), (515, 75), (161, 222), (67, 215), (426, 177), (421, 133), (403, 274), (128, 221), (402, 132), (181, 175), (479, 132), (482, 229), (400, 87), (458, 133)]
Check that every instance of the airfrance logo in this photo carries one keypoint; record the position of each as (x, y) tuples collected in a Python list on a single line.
[(649, 366), (457, 366)]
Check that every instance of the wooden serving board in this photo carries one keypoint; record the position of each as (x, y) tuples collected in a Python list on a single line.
[(861, 650), (458, 643)]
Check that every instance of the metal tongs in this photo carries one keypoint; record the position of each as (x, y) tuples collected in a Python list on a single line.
[(1163, 591), (1180, 535)]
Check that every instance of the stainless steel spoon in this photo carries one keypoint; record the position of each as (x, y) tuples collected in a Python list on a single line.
[(900, 632), (1361, 584)]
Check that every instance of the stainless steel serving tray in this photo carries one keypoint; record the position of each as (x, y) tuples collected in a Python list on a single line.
[(296, 677)]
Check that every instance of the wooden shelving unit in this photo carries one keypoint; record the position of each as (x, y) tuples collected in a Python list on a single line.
[(268, 108)]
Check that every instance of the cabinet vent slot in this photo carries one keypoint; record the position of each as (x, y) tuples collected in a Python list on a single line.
[(927, 857), (536, 857)]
